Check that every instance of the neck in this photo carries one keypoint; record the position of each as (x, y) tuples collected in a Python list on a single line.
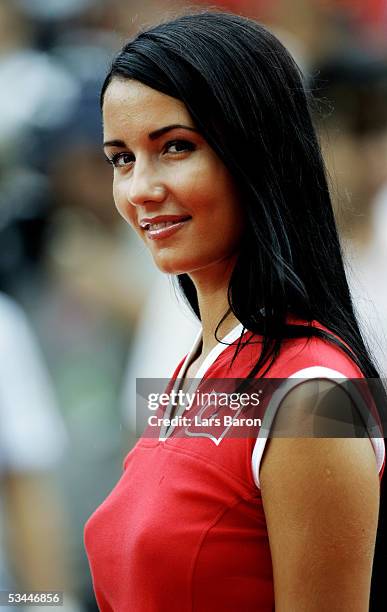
[(211, 287)]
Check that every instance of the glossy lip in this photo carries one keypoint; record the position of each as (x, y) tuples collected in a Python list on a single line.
[(161, 219), (166, 232)]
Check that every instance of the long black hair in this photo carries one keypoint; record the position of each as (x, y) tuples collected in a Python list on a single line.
[(246, 96)]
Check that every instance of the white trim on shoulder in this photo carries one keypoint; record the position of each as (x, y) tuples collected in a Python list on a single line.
[(278, 396)]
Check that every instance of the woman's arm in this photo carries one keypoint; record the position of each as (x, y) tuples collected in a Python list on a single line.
[(321, 501)]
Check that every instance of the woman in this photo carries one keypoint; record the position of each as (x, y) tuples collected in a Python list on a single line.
[(217, 168)]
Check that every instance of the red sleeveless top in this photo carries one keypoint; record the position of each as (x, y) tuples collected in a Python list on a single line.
[(184, 529)]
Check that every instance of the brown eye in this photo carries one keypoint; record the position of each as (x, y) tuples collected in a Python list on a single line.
[(179, 146), (121, 160)]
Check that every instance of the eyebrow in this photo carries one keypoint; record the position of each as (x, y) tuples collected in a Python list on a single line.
[(152, 136)]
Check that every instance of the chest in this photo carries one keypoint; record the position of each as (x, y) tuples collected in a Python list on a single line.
[(187, 511)]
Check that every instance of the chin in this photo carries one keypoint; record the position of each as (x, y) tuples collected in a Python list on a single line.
[(173, 266), (172, 270), (182, 265), (168, 267)]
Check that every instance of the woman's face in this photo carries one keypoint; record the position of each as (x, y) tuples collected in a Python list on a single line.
[(168, 183)]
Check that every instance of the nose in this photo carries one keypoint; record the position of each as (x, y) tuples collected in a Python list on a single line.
[(145, 187)]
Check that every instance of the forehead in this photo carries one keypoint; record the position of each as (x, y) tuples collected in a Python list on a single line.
[(132, 106)]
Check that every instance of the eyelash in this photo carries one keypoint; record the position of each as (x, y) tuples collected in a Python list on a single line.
[(188, 146)]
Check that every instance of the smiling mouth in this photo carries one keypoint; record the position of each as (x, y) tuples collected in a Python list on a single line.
[(158, 226), (164, 229), (163, 224)]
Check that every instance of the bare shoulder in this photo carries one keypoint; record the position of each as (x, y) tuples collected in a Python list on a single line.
[(321, 502)]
